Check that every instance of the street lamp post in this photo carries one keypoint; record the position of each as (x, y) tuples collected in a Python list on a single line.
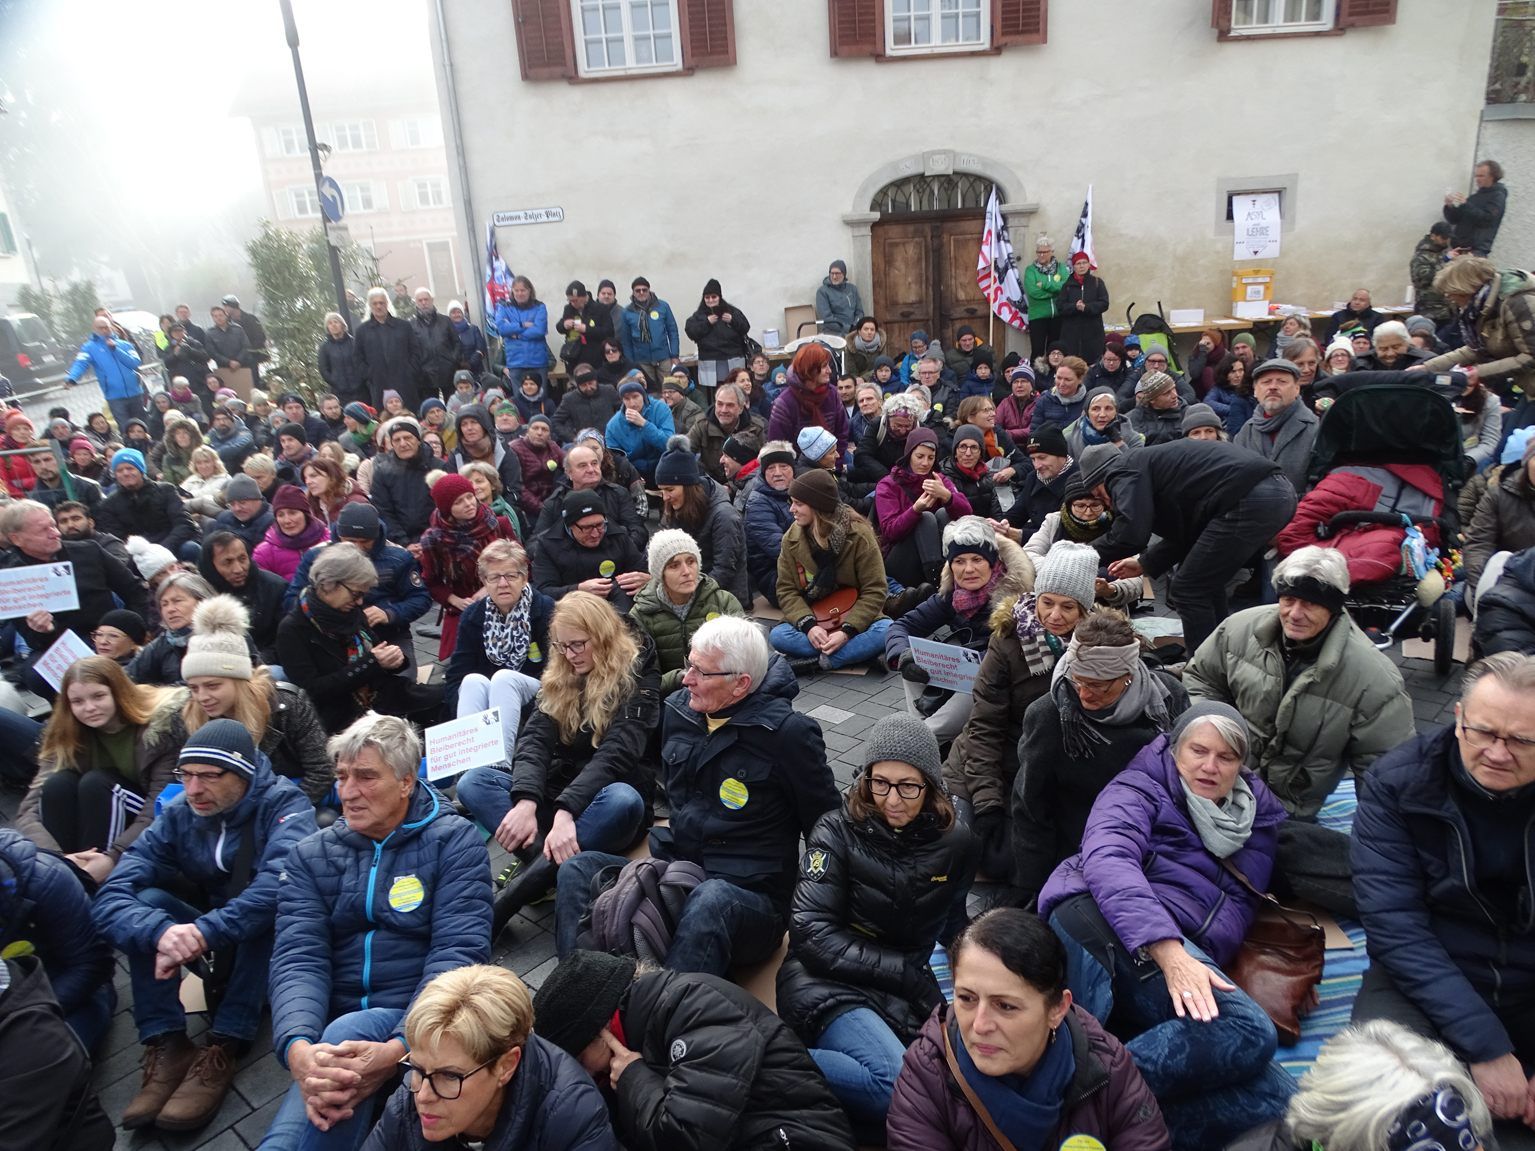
[(291, 29)]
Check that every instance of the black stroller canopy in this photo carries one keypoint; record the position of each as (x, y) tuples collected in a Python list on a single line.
[(1389, 423)]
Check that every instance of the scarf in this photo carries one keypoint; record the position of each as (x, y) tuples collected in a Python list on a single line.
[(313, 532), (1080, 531), (644, 314), (508, 635), (1470, 332), (177, 637), (1040, 648), (455, 549), (349, 626), (1091, 435), (824, 582), (864, 345), (811, 402), (1223, 827), (967, 603), (1146, 696), (989, 445), (1025, 1108), (1271, 426)]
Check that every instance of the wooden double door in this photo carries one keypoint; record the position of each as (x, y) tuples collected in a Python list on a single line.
[(924, 277)]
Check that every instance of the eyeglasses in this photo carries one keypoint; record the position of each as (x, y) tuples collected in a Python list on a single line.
[(689, 666), (574, 647), (445, 1084), (201, 776), (907, 789), (1095, 686), (1482, 738), (590, 529), (353, 594), (504, 577)]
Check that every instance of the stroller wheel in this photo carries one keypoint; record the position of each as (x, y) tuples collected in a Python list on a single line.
[(1444, 636)]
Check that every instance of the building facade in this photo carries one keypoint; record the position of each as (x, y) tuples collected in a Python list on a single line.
[(15, 264), (755, 142)]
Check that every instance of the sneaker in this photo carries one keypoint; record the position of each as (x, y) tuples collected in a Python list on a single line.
[(508, 873), (202, 1091), (805, 666), (165, 1066)]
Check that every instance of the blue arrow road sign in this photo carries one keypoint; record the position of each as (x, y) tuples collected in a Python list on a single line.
[(332, 202)]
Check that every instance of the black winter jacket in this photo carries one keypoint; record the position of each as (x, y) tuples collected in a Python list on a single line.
[(262, 596), (400, 493), (440, 351), (623, 519), (339, 369), (388, 358), (719, 340), (868, 906), (599, 326), (721, 542), (577, 411), (1476, 221), (1505, 615), (1033, 499), (153, 511), (188, 359), (560, 564), (469, 652), (98, 578), (1082, 331), (718, 1071)]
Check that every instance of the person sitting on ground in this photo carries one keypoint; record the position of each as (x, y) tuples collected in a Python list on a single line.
[(104, 758), (980, 570), (140, 506), (1104, 705), (679, 599), (1063, 402), (540, 458), (1504, 520), (728, 416), (586, 555), (502, 645), (1232, 396), (912, 505), (579, 779), (246, 513), (965, 467), (589, 404), (584, 473), (329, 489), (461, 528), (1201, 423), (1158, 413), (53, 487), (476, 1073), (674, 394), (1151, 911), (831, 581), (1391, 350), (810, 400), (1040, 490), (295, 529), (866, 343), (159, 661), (203, 878), (701, 1064), (883, 878), (1101, 423), (696, 504), (1016, 1053), (1439, 861), (767, 517), (398, 488), (642, 425), (745, 775), (1505, 610), (120, 636), (1320, 701), (1081, 519)]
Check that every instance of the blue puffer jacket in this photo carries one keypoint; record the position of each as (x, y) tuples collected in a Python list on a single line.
[(1150, 874), (182, 845), (43, 903), (663, 332), (765, 520), (644, 445), (1051, 412), (1428, 924), (524, 332), (117, 367), (368, 924)]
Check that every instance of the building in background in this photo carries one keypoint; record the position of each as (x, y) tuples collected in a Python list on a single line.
[(380, 121), (757, 142), (15, 263)]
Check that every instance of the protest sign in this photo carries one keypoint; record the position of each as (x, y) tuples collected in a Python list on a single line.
[(66, 650), (947, 665), (470, 741), (37, 587)]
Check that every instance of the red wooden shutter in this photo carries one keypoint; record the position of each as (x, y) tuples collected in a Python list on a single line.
[(708, 30), (1018, 22), (545, 46), (1220, 16), (856, 27), (1366, 13)]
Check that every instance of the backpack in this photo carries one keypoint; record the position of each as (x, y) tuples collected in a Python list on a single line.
[(637, 907)]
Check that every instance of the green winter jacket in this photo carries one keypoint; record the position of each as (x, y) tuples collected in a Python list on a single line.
[(672, 636), (1341, 713), (1042, 286)]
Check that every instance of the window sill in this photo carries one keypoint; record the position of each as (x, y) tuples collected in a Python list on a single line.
[(947, 54), (1262, 37)]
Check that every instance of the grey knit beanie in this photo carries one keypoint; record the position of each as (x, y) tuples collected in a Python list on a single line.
[(1069, 569), (903, 738), (666, 545), (1201, 416), (1096, 462)]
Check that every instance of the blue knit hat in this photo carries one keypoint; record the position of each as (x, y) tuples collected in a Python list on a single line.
[(814, 443), (221, 743), (130, 456)]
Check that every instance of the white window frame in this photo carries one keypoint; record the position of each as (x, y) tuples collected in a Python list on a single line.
[(413, 133), (1272, 27), (342, 133), (630, 69), (435, 186), (935, 12), (362, 197), (291, 140), (303, 202)]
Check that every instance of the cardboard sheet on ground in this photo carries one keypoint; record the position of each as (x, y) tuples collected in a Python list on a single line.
[(947, 665), (470, 741), (66, 650), (37, 587)]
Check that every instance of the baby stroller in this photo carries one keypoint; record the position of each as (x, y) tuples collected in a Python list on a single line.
[(1387, 466), (1155, 332)]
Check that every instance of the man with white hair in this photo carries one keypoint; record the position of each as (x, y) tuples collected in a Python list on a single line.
[(745, 776), (388, 354), (1320, 700), (1442, 856), (440, 350), (370, 910)]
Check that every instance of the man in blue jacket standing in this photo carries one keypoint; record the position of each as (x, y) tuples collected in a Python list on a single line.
[(391, 895), (222, 845), (117, 371), (649, 331)]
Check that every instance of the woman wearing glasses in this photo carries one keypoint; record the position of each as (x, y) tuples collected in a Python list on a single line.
[(883, 877), (326, 647), (478, 1076), (580, 780)]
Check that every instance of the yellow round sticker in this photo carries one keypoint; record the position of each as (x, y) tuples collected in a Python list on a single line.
[(606, 568), (1082, 1143), (655, 315), (711, 615), (406, 893), (733, 794), (535, 653)]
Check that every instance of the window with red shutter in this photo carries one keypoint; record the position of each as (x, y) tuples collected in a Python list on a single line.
[(545, 49), (1018, 22), (1366, 13), (708, 33), (1258, 19), (856, 27)]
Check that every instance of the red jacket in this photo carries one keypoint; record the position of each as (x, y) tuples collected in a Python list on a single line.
[(1373, 551), (1107, 1098)]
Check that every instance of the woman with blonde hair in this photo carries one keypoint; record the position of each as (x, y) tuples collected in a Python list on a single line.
[(205, 482), (105, 756), (477, 1073), (487, 484), (580, 780)]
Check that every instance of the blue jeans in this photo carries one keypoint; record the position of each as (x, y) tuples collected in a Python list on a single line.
[(864, 646), (291, 1129), (722, 925), (860, 1057), (125, 410), (1214, 1080), (157, 1002), (610, 822), (90, 1020)]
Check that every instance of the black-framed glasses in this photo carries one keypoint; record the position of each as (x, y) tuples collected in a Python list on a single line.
[(202, 776), (445, 1084), (1483, 738), (906, 789), (574, 647), (689, 666), (590, 529)]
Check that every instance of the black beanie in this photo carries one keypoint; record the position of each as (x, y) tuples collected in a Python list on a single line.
[(294, 430), (738, 450), (579, 505), (221, 743), (678, 464), (579, 997), (130, 623)]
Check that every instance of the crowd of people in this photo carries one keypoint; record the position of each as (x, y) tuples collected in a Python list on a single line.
[(233, 785)]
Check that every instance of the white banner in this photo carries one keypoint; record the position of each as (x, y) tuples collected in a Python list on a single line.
[(996, 270), (1256, 226), (947, 665), (471, 741), (1082, 241), (37, 587), (66, 650)]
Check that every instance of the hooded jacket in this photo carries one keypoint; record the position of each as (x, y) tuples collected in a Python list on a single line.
[(365, 923), (202, 850), (44, 904), (838, 306), (721, 541), (504, 460), (938, 614)]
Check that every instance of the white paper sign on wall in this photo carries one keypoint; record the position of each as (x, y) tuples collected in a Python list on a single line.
[(1257, 226)]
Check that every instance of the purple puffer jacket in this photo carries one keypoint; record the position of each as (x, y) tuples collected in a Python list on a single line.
[(786, 421), (893, 499), (1145, 867), (1106, 1099)]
